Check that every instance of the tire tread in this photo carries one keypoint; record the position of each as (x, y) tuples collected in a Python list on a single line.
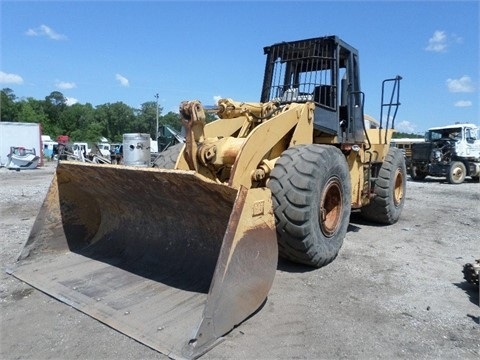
[(293, 182)]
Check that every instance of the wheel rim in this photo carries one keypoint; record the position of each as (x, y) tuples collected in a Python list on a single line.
[(457, 173), (331, 207), (398, 188)]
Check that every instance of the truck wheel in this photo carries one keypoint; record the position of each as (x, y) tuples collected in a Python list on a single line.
[(168, 158), (456, 172), (416, 173), (311, 192), (390, 190)]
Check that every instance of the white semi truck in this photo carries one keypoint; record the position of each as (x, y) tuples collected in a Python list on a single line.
[(451, 151)]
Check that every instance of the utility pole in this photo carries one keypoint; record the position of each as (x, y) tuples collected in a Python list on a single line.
[(156, 132)]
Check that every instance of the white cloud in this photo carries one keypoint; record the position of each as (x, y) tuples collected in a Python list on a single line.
[(10, 78), (462, 85), (463, 103), (441, 41), (405, 126), (438, 42), (122, 80), (216, 98), (71, 101), (44, 30), (63, 85)]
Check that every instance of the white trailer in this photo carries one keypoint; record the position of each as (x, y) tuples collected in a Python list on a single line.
[(19, 134)]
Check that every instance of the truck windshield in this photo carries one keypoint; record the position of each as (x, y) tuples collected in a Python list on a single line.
[(453, 133)]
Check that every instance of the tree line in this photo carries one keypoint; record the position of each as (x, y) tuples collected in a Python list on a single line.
[(84, 122)]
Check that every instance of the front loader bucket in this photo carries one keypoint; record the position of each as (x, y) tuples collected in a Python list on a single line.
[(166, 257)]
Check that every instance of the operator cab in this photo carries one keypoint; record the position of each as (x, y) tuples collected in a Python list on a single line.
[(323, 70)]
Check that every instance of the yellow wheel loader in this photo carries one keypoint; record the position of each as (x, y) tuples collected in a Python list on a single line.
[(178, 254)]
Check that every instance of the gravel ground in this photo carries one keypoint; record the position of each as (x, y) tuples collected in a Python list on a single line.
[(393, 292)]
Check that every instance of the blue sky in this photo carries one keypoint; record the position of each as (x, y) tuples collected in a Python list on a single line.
[(107, 51)]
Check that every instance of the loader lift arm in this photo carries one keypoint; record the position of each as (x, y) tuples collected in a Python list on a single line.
[(245, 159)]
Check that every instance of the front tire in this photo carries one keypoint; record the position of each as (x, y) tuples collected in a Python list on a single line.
[(389, 192), (417, 174), (311, 193), (456, 173)]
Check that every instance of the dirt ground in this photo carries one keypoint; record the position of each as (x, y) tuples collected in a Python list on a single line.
[(393, 292)]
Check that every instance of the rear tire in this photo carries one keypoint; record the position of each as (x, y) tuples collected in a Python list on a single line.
[(390, 189), (311, 193), (456, 173), (168, 158)]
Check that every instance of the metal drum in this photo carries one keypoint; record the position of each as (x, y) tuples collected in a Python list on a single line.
[(136, 150)]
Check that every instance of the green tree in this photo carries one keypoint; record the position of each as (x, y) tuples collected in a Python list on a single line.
[(56, 98), (171, 119), (146, 118), (400, 135), (53, 106), (76, 119), (93, 132), (8, 106), (27, 113), (116, 120)]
